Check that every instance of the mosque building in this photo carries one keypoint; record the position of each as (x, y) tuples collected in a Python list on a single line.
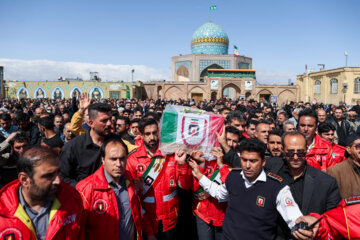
[(209, 72)]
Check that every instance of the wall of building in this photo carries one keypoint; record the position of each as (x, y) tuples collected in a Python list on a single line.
[(344, 76), (48, 89)]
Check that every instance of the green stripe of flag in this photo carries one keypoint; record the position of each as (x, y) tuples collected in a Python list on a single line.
[(169, 127)]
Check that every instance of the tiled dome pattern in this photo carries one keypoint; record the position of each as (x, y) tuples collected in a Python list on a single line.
[(209, 39)]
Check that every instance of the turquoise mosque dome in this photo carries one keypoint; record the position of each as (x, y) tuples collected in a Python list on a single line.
[(209, 39)]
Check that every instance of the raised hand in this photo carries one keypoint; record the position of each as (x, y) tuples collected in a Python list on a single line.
[(85, 101), (195, 170), (197, 156)]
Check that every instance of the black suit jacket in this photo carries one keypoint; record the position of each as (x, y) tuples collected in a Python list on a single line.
[(321, 192)]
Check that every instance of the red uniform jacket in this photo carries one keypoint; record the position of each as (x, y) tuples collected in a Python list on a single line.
[(341, 222), (210, 209), (66, 220), (320, 155), (161, 201), (338, 153), (101, 206)]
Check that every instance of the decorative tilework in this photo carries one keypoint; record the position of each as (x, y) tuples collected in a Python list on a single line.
[(243, 65), (31, 87), (48, 87), (205, 63), (187, 64), (67, 87), (86, 87), (209, 39)]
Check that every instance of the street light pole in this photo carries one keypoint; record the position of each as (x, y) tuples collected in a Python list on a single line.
[(346, 58)]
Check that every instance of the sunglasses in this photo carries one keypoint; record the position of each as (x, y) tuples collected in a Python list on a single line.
[(292, 154), (357, 146)]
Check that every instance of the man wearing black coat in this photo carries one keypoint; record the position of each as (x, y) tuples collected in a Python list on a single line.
[(342, 126), (313, 190)]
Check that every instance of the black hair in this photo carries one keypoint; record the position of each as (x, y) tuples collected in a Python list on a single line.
[(307, 113), (112, 140), (233, 130), (252, 145), (276, 132), (223, 109), (153, 115), (32, 156), (126, 119), (138, 109), (135, 120), (146, 122), (20, 137), (5, 117), (251, 121), (235, 115), (94, 109), (21, 116), (47, 122), (325, 127)]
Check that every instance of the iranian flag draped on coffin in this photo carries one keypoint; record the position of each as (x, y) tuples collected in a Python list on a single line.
[(189, 129)]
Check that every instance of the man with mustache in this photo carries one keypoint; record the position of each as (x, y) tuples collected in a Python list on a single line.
[(38, 205), (318, 149), (110, 198), (80, 157), (161, 175)]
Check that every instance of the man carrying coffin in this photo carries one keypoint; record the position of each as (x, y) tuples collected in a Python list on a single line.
[(161, 175), (255, 197)]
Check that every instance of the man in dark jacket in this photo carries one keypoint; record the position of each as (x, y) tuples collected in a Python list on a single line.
[(342, 126), (313, 190)]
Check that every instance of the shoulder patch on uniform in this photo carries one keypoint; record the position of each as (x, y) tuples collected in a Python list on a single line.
[(132, 151), (275, 177), (352, 200)]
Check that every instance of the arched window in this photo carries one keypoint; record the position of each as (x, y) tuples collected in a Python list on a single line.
[(333, 86), (317, 87), (357, 85)]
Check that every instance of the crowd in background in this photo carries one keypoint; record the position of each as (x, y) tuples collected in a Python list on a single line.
[(319, 173)]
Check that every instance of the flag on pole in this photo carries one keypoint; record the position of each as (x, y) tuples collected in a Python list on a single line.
[(212, 7), (236, 52)]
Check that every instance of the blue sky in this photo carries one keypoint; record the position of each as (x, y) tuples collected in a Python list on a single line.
[(280, 35)]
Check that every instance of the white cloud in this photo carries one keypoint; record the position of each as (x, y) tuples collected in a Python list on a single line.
[(41, 70), (268, 77)]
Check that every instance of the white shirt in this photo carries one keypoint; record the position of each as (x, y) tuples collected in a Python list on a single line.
[(285, 203)]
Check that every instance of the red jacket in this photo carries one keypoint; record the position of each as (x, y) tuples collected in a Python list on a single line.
[(101, 206), (210, 209), (320, 154), (66, 220), (338, 153), (161, 202), (341, 222)]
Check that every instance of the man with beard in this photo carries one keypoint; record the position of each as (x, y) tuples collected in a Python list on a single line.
[(59, 124), (81, 156), (38, 205), (67, 133), (274, 145), (161, 175)]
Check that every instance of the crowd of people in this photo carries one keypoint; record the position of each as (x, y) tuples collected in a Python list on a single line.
[(92, 169)]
